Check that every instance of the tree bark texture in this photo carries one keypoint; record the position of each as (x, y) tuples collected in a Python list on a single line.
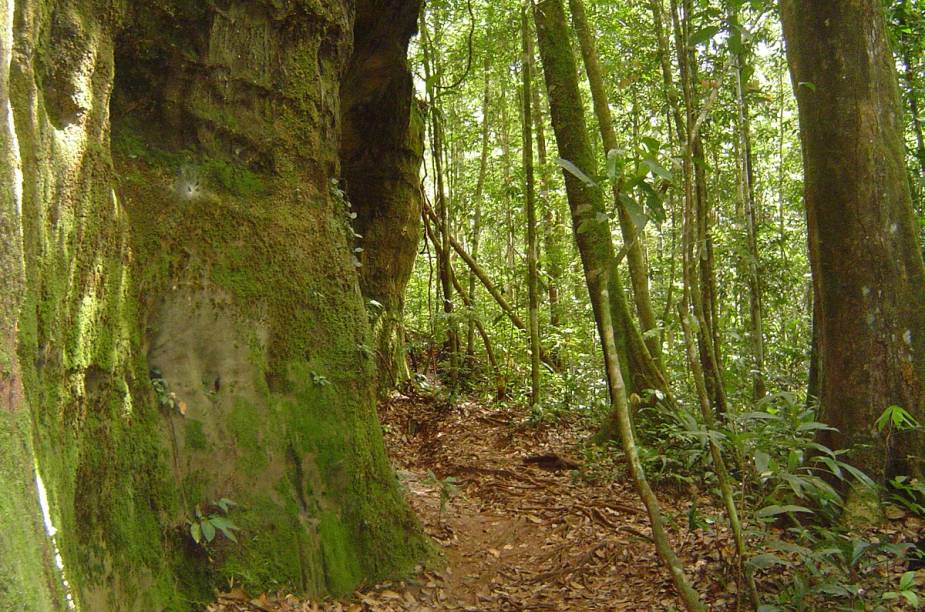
[(866, 261), (185, 306)]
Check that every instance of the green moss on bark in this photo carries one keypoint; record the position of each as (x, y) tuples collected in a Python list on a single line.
[(244, 286)]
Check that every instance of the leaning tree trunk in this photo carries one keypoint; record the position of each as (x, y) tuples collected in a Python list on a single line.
[(633, 236), (191, 326), (866, 260), (590, 224)]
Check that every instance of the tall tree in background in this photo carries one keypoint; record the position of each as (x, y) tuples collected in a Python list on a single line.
[(589, 220), (592, 233), (632, 233), (476, 225), (748, 202), (867, 265), (699, 278), (432, 78), (532, 281)]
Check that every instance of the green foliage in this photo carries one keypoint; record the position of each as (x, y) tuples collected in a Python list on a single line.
[(907, 492), (897, 418), (447, 487), (907, 590), (233, 178), (320, 379), (829, 565), (204, 527)]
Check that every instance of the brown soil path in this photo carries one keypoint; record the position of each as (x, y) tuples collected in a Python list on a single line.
[(517, 535)]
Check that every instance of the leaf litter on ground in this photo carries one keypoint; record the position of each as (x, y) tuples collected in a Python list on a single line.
[(526, 526)]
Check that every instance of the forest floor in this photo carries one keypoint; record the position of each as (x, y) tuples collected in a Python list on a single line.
[(521, 524)]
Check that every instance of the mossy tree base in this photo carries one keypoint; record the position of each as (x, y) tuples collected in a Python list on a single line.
[(196, 243)]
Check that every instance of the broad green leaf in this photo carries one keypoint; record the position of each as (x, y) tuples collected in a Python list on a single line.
[(858, 549), (735, 41), (758, 416), (208, 530), (834, 589), (229, 534), (636, 213), (614, 164), (813, 426), (860, 476), (196, 532), (220, 522), (766, 560), (584, 226), (775, 510), (833, 466), (576, 172), (653, 145), (821, 448), (762, 461)]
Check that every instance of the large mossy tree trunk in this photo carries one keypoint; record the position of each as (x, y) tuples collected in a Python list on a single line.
[(866, 260), (27, 581), (190, 324)]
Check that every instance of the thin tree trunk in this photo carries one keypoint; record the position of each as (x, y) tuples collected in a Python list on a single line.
[(747, 197), (510, 288), (532, 282), (664, 56), (698, 251), (552, 246), (639, 273), (719, 464), (437, 153), (478, 197)]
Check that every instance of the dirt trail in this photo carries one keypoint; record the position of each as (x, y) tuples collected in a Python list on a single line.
[(517, 535), (521, 535)]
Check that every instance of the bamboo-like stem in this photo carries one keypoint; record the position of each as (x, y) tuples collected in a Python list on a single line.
[(722, 474)]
